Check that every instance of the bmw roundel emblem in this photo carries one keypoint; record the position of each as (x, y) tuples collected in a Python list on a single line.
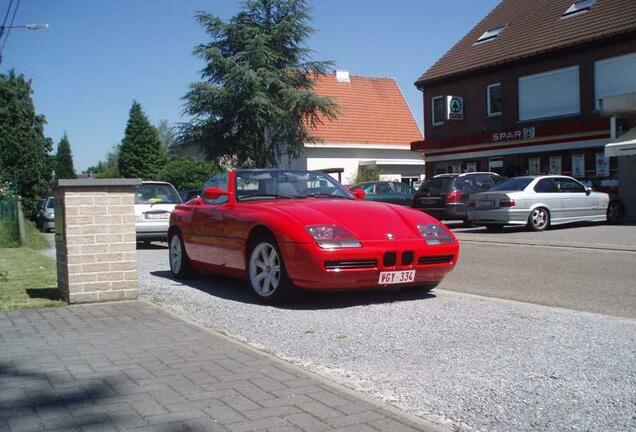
[(389, 236)]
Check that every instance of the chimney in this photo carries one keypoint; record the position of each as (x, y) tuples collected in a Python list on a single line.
[(342, 76)]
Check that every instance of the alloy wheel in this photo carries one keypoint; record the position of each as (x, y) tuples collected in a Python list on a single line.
[(175, 254), (265, 269), (539, 218)]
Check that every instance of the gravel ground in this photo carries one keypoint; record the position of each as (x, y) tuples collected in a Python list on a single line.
[(481, 363)]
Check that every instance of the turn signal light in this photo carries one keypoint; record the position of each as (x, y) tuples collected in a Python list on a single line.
[(454, 196), (332, 237), (507, 203)]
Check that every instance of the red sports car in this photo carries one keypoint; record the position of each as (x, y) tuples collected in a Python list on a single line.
[(286, 229)]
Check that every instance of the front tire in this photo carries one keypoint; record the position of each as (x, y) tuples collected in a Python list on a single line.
[(266, 273), (539, 219), (180, 264)]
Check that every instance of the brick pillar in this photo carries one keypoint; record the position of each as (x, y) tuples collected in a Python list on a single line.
[(95, 239)]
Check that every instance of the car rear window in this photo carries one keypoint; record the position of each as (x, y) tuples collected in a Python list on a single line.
[(437, 184), (156, 194), (514, 184)]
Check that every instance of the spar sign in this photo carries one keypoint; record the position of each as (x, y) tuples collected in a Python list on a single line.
[(454, 108)]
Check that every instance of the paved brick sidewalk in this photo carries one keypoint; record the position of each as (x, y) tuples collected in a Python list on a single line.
[(131, 366)]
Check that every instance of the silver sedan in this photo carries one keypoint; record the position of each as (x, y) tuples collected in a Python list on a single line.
[(538, 202)]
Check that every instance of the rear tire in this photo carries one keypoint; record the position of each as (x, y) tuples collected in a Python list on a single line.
[(494, 227), (266, 273), (615, 213), (539, 219), (180, 264)]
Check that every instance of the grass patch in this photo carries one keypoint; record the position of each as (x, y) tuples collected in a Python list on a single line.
[(9, 238), (34, 238), (28, 279)]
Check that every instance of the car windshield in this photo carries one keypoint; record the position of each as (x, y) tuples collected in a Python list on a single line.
[(437, 184), (156, 193), (265, 184), (50, 204), (514, 184)]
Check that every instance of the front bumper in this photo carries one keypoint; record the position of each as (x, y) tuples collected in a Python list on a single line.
[(505, 216), (306, 264)]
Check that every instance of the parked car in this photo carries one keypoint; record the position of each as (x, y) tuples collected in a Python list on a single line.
[(288, 229), (46, 214), (538, 202), (445, 196), (187, 195), (153, 203), (386, 191)]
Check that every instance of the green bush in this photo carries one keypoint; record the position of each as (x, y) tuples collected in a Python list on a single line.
[(187, 173), (365, 175)]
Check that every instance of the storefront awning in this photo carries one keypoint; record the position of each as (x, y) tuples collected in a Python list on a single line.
[(625, 145)]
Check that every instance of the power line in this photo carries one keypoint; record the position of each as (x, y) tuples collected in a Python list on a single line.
[(6, 16), (15, 11)]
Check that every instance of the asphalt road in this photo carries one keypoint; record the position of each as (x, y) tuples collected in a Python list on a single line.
[(574, 278)]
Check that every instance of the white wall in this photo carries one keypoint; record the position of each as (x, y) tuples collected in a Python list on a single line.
[(349, 159)]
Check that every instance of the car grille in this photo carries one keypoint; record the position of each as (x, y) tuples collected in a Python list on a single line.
[(390, 259), (423, 260), (351, 264), (407, 258)]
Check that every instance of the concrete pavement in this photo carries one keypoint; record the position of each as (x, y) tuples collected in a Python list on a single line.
[(131, 366)]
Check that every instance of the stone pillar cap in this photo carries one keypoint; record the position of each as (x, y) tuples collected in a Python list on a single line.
[(62, 183)]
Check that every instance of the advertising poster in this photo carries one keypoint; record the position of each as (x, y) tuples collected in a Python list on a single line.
[(456, 167), (471, 166), (555, 164), (578, 165), (602, 165), (534, 166)]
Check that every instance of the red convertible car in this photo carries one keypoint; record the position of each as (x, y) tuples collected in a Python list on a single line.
[(287, 229)]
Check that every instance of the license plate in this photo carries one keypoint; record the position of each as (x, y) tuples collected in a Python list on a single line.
[(157, 216), (485, 203), (396, 277), (428, 201)]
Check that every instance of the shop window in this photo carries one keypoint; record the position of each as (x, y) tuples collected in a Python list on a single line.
[(437, 110), (494, 100), (549, 94)]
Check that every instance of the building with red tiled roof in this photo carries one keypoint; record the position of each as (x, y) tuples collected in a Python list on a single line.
[(373, 130), (522, 91)]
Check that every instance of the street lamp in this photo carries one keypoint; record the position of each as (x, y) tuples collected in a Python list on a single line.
[(31, 26)]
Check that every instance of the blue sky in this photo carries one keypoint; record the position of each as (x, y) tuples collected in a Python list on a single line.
[(97, 56)]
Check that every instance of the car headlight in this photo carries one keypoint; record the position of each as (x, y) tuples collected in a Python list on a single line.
[(435, 234), (332, 237)]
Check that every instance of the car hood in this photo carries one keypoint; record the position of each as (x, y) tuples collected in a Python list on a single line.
[(366, 220)]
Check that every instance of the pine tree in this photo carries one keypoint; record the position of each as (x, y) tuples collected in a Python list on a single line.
[(140, 154), (24, 158), (64, 160), (257, 96)]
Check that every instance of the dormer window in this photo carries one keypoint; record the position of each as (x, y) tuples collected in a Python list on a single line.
[(491, 33), (579, 6)]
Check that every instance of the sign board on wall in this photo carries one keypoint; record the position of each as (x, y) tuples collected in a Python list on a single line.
[(578, 165), (534, 166), (471, 166), (602, 165), (456, 167), (526, 133), (454, 108), (555, 164)]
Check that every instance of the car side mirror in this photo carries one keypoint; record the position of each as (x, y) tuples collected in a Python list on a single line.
[(213, 193), (588, 190), (359, 194)]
